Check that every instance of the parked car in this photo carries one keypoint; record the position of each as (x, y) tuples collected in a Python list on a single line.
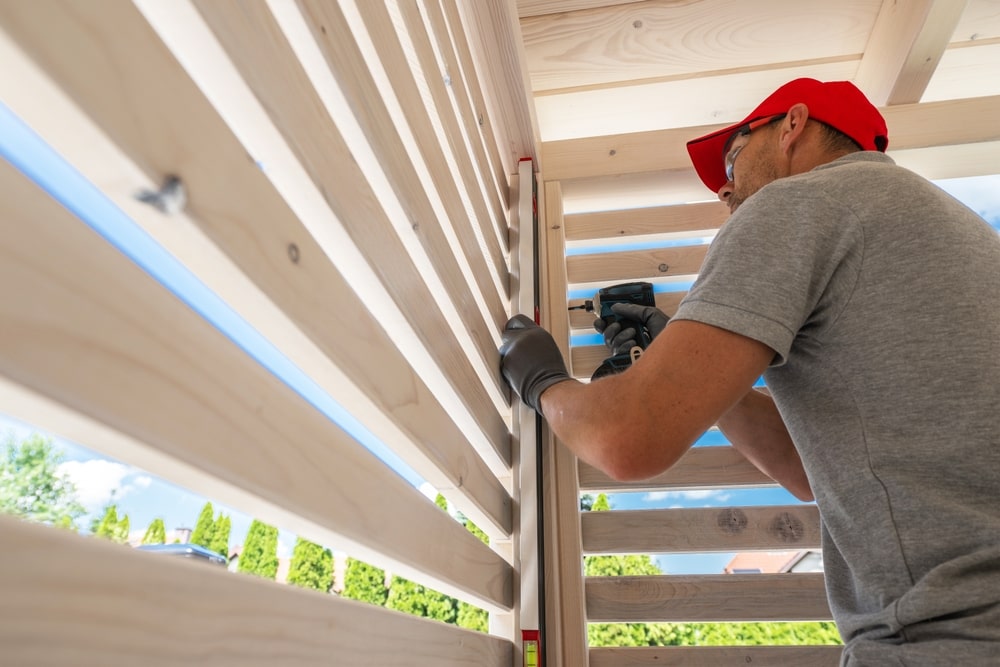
[(186, 550)]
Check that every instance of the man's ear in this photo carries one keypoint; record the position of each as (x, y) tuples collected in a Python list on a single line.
[(792, 126)]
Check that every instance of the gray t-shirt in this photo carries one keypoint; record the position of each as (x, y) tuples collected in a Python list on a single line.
[(880, 295)]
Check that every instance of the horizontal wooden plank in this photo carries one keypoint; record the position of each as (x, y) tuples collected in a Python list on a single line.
[(583, 320), (698, 468), (701, 530), (70, 600), (635, 264), (717, 656), (722, 597), (640, 41), (370, 377), (84, 326), (538, 7), (910, 126), (624, 225)]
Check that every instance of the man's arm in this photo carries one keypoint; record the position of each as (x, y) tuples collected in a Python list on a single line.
[(756, 430), (637, 424)]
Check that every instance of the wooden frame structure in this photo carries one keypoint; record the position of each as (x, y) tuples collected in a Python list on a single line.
[(370, 190)]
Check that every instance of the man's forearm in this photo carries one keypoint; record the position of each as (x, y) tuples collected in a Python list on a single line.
[(756, 430)]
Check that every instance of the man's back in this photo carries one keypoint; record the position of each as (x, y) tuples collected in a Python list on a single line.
[(881, 296)]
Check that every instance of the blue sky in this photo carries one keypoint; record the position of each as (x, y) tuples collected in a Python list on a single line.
[(144, 497)]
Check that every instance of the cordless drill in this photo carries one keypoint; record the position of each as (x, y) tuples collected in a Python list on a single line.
[(639, 293)]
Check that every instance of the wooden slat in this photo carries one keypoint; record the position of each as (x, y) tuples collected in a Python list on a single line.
[(82, 325), (610, 44), (565, 618), (635, 264), (904, 49), (646, 222), (582, 319), (715, 597), (495, 36), (698, 468), (471, 70), (463, 82), (701, 530), (263, 55), (717, 656), (115, 606), (375, 384), (910, 126), (164, 123), (489, 222)]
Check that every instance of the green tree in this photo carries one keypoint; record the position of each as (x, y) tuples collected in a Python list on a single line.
[(623, 634), (412, 598), (31, 485), (470, 616), (156, 533), (205, 528), (311, 566), (220, 535), (260, 551), (364, 582), (111, 526)]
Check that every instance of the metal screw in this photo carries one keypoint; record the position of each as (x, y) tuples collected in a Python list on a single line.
[(170, 198), (612, 152), (637, 24), (664, 268), (293, 253)]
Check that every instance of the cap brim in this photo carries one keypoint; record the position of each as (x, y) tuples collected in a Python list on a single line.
[(707, 156)]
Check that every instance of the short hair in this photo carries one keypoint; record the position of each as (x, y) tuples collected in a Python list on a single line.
[(836, 141)]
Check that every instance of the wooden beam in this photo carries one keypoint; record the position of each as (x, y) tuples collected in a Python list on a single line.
[(652, 222), (904, 49), (716, 597), (565, 618), (663, 39), (910, 126), (538, 7), (699, 468), (701, 530), (82, 325), (116, 606), (635, 264), (716, 656)]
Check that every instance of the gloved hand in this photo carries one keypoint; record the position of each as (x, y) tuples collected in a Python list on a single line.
[(619, 340), (530, 360)]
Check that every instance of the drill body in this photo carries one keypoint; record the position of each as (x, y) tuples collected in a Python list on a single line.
[(640, 293)]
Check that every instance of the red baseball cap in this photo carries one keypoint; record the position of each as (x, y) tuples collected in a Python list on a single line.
[(839, 104)]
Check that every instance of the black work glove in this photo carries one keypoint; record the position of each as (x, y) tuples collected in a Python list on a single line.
[(530, 360), (620, 340)]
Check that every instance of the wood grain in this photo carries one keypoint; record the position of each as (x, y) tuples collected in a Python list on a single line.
[(720, 598), (701, 530)]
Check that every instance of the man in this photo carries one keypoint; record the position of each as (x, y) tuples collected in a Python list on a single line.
[(870, 301)]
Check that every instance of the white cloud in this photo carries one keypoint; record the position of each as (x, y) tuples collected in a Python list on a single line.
[(697, 494), (96, 480)]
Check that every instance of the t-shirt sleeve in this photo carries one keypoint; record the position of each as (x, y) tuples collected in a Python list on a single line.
[(778, 268)]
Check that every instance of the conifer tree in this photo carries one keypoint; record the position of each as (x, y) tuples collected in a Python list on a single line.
[(205, 528), (121, 530), (220, 535), (156, 533), (311, 566), (107, 526), (364, 582), (260, 551)]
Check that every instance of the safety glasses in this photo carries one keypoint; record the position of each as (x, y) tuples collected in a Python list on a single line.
[(743, 131)]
